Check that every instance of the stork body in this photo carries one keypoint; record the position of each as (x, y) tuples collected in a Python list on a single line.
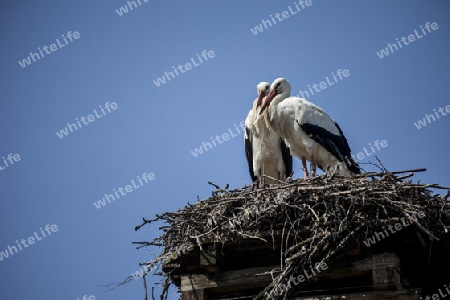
[(308, 131), (266, 153)]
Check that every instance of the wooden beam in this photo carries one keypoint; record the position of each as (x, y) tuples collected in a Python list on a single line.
[(378, 295), (229, 280), (385, 269), (194, 295), (386, 272)]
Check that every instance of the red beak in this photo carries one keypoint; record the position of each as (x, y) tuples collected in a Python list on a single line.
[(260, 98), (269, 99)]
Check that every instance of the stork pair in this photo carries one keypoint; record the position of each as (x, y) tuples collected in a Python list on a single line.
[(279, 125)]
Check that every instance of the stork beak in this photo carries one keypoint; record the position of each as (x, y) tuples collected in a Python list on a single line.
[(260, 98), (269, 98)]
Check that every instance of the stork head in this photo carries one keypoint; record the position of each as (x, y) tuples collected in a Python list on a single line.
[(279, 87), (263, 90)]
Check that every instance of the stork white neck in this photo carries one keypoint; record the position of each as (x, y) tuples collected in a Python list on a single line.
[(279, 90), (263, 90)]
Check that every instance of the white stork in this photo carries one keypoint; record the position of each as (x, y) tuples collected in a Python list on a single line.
[(308, 131), (266, 153)]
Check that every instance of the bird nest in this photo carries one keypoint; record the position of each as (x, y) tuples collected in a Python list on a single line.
[(318, 218)]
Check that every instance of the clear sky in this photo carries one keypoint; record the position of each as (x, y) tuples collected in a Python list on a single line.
[(112, 61)]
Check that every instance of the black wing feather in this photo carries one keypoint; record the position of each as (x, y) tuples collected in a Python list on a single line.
[(249, 153), (287, 158), (335, 144)]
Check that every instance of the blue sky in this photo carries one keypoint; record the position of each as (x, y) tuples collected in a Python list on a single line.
[(154, 129)]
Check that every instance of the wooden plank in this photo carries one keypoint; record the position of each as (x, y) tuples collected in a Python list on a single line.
[(240, 279), (378, 262), (386, 272), (384, 269), (195, 295), (377, 295)]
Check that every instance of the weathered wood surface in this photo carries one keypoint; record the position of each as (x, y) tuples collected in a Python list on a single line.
[(387, 295), (383, 268), (228, 281)]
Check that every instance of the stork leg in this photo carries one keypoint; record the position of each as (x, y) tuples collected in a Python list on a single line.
[(313, 166), (305, 169)]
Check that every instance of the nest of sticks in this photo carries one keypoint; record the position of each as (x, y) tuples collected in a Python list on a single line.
[(319, 219)]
